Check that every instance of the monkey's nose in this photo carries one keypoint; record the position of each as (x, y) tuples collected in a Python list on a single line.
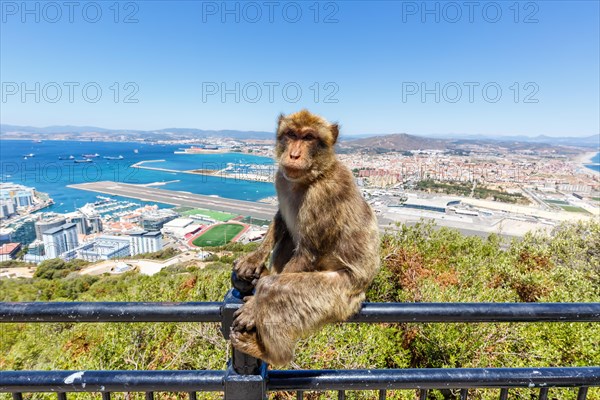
[(294, 156)]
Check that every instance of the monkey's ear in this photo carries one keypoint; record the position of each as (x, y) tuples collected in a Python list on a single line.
[(279, 119), (335, 131)]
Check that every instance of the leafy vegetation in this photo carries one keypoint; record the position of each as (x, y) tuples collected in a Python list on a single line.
[(469, 189), (16, 264), (419, 264), (56, 268), (164, 254)]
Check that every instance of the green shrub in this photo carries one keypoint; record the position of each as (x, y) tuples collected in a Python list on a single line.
[(422, 263)]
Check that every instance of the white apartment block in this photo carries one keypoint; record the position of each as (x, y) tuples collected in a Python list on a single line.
[(145, 242), (60, 240)]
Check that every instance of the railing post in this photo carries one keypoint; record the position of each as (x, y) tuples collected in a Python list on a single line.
[(245, 378)]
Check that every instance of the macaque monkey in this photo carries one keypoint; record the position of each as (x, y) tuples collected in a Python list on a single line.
[(324, 241)]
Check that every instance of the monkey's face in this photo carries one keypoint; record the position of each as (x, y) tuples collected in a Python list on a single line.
[(304, 146)]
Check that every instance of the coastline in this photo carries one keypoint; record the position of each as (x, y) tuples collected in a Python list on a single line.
[(215, 173), (585, 158)]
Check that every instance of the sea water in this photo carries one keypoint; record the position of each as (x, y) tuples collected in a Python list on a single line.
[(47, 173)]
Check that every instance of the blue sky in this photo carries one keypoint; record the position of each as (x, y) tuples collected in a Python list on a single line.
[(498, 68)]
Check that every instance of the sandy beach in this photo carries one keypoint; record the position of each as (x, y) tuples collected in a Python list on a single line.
[(585, 158)]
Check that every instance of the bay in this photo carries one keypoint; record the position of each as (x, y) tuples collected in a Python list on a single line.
[(596, 163), (48, 174)]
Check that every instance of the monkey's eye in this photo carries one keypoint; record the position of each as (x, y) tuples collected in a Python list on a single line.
[(308, 137), (291, 134)]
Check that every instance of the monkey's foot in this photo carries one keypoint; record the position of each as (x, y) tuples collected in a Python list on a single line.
[(244, 317), (247, 342)]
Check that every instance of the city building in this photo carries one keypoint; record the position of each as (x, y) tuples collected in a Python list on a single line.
[(104, 247), (60, 241), (8, 251), (566, 187), (7, 209), (437, 204), (21, 231), (154, 220), (181, 227), (19, 195), (79, 219), (94, 223), (153, 241), (5, 235), (48, 221), (145, 242), (36, 248)]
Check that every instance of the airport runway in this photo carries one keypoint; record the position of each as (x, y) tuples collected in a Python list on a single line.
[(241, 207), (246, 208)]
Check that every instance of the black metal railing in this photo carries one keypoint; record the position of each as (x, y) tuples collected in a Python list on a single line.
[(247, 378)]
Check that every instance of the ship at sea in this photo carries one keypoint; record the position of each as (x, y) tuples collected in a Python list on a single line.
[(113, 158), (85, 160), (66, 157), (58, 181), (91, 155)]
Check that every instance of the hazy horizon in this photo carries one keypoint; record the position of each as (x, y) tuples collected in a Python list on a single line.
[(433, 135)]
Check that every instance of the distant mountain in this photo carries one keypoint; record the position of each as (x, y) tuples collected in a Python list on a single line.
[(396, 142), (91, 132), (51, 129), (581, 141), (377, 143)]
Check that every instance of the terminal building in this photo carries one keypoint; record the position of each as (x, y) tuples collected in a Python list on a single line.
[(437, 204)]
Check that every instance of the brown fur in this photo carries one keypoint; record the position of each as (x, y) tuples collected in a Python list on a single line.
[(325, 245)]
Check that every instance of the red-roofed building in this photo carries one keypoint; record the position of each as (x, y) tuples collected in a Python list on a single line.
[(9, 251)]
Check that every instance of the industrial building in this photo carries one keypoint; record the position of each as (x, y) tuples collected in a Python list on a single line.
[(104, 247)]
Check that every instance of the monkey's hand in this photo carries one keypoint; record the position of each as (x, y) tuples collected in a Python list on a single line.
[(250, 267), (243, 318)]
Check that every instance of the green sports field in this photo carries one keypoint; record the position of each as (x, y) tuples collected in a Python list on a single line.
[(557, 202), (216, 215), (574, 209), (218, 235)]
